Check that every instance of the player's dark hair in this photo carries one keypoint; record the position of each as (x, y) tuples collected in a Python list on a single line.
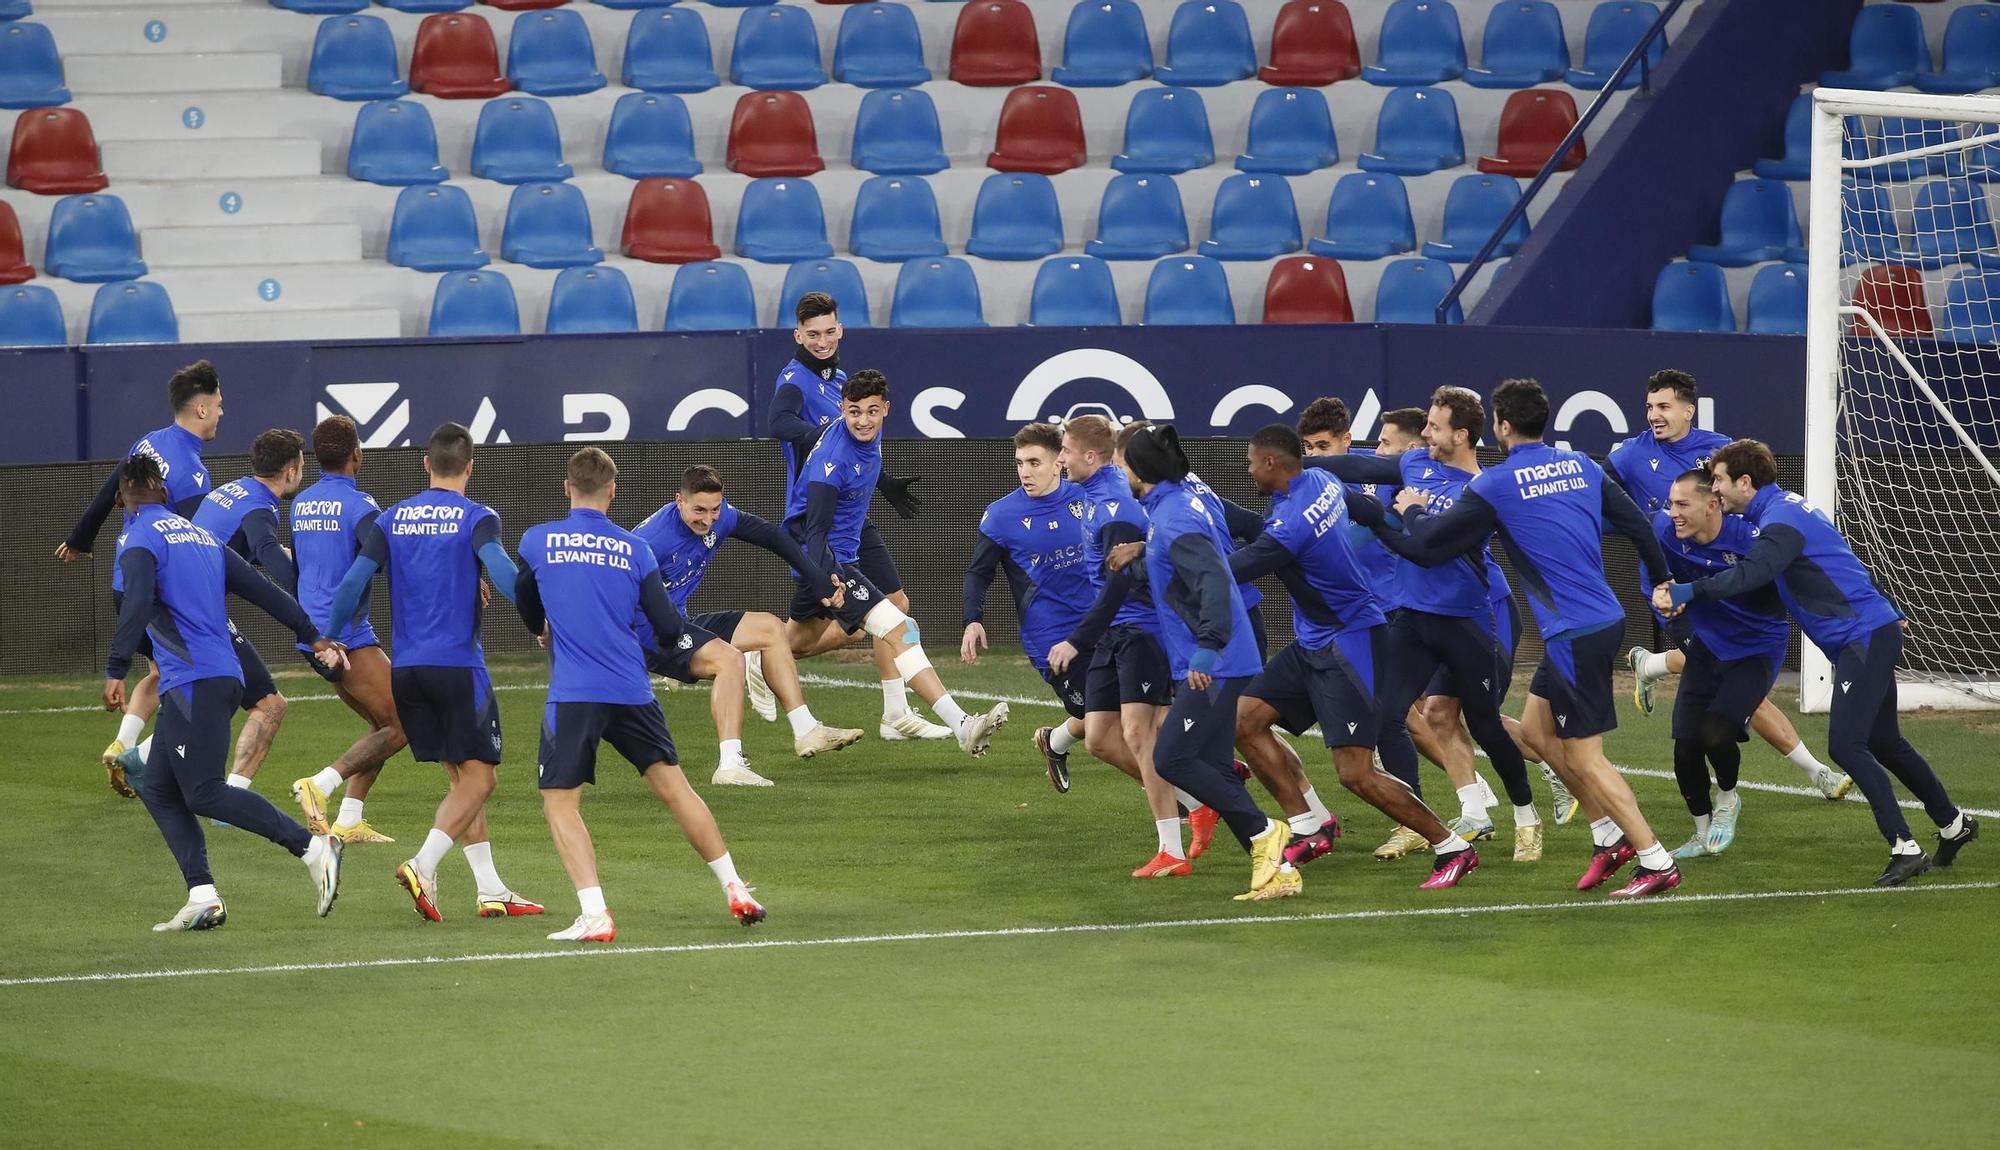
[(1326, 414), (1092, 433), (813, 305), (1408, 420), (274, 450), (450, 450), (1462, 404), (141, 471), (1674, 380), (1154, 455), (591, 470), (335, 440), (1042, 435), (197, 378), (701, 479), (1522, 405), (865, 384), (1702, 478), (1747, 457), (1125, 433), (1282, 440)]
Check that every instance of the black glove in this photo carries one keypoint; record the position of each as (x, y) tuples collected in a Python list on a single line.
[(330, 674), (897, 492)]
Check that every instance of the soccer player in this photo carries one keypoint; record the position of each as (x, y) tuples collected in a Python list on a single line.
[(1549, 506), (684, 536), (327, 518), (1646, 466), (805, 402), (827, 513), (1837, 605), (582, 579), (196, 396), (176, 578), (434, 546)]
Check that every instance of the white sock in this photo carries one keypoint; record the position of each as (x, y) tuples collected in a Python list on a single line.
[(315, 850), (724, 871), (1802, 757), (204, 893), (1905, 847), (146, 748), (240, 782), (1060, 740), (1452, 844), (591, 899), (1169, 831), (1655, 857), (437, 844), (1527, 816), (129, 727), (1701, 825), (801, 719), (327, 780), (947, 708), (1954, 828), (1726, 799), (1653, 665), (1187, 801), (732, 752), (895, 699), (480, 855), (1317, 808), (1603, 832), (1472, 803), (350, 812), (1304, 824)]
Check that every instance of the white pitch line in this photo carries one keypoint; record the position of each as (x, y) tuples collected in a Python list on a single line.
[(993, 932)]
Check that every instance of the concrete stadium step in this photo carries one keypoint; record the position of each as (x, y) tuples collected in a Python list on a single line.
[(198, 158), (160, 74), (272, 244), (291, 323)]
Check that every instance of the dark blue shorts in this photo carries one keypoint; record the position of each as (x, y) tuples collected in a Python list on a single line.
[(1070, 685), (1575, 678), (873, 559), (1730, 688), (257, 681), (861, 598), (450, 714), (1446, 635), (1128, 665), (1334, 686), (677, 661), (571, 732)]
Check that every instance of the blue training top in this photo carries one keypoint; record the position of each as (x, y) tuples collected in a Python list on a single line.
[(1041, 543), (1738, 628), (430, 545), (591, 576), (326, 518), (1199, 605)]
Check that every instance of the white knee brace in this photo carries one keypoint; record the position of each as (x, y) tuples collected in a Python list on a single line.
[(887, 621)]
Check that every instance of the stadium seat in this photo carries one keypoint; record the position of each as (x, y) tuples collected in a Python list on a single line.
[(739, 3), (1970, 311), (425, 6), (1254, 218), (879, 46), (895, 219), (1868, 228), (1615, 28), (1971, 53), (31, 316), (1410, 290), (91, 240), (1890, 135), (711, 297), (1367, 218), (1041, 130), (434, 230), (31, 71), (1886, 49), (780, 222), (1073, 291), (394, 144), (54, 153), (1105, 45), (14, 266), (517, 142), (940, 292), (629, 5), (994, 45), (1139, 218), (1165, 131), (1016, 217), (138, 312), (1759, 221), (15, 9), (474, 303), (1532, 126), (667, 50), (1894, 295), (456, 59), (1312, 44), (1950, 222), (522, 5), (1307, 289), (1291, 133), (1208, 45), (548, 226), (1420, 44), (777, 49), (667, 222), (1692, 297), (1472, 209), (772, 134), (1777, 301), (321, 7), (1796, 163), (589, 300), (837, 278), (550, 54), (1524, 45), (650, 135), (1188, 290), (1416, 132), (896, 133), (353, 58)]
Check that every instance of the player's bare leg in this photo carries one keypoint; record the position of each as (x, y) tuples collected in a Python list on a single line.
[(698, 827), (461, 818), (899, 722), (1429, 740), (1618, 830), (1126, 740), (1561, 800), (253, 742), (1104, 737), (1258, 742), (1454, 857), (1772, 726), (141, 702), (721, 663), (365, 688), (887, 623), (763, 633)]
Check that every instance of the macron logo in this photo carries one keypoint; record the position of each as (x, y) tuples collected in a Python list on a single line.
[(1350, 728), (1655, 463), (1845, 686), (181, 751), (829, 468), (1187, 725)]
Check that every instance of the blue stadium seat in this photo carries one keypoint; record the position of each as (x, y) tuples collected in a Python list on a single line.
[(1208, 44), (354, 58), (548, 226), (1472, 209), (1410, 290), (776, 49), (426, 6), (650, 135), (1165, 131), (1073, 291), (1868, 229), (434, 230), (321, 7), (15, 9), (780, 221), (1890, 135), (1759, 221), (1254, 219), (1367, 218), (394, 144), (474, 303), (1971, 308), (1777, 301), (91, 240), (137, 312), (895, 219), (940, 292), (587, 300), (31, 71), (1420, 44), (837, 278), (628, 5), (711, 297), (1796, 163), (1524, 45), (1692, 297), (1016, 217), (1291, 133), (1951, 223), (667, 50), (896, 133), (1105, 45), (1415, 133), (1886, 49), (31, 316), (517, 142), (739, 3), (550, 54), (1188, 290), (1139, 218), (1971, 53), (1614, 30), (879, 46)]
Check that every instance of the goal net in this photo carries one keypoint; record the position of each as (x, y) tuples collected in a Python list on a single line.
[(1903, 374)]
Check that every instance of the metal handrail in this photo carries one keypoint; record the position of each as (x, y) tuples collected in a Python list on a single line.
[(1637, 56)]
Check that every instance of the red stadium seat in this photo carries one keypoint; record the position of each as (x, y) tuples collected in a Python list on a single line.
[(667, 222), (14, 267), (521, 5), (456, 58), (1532, 125), (54, 153), (1892, 293), (772, 134), (995, 44), (1041, 130), (1312, 44), (1307, 289)]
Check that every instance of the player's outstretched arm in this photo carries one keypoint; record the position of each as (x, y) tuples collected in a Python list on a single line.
[(787, 421), (371, 552), (822, 500), (135, 610), (83, 536), (986, 559), (260, 529), (528, 599), (493, 558), (1239, 522), (668, 622), (1624, 517), (1359, 469), (760, 532), (898, 494), (242, 580), (1776, 547), (1265, 555), (1118, 587), (1434, 540)]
